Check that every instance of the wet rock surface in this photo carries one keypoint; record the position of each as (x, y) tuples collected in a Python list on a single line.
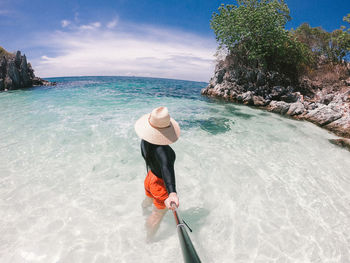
[(17, 73), (323, 103), (345, 143)]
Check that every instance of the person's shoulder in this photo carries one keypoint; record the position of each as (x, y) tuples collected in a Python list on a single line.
[(165, 150), (146, 143), (160, 149)]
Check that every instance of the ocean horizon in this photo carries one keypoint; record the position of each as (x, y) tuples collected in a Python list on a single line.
[(253, 185), (120, 76)]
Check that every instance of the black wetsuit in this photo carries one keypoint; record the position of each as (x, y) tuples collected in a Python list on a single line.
[(160, 159)]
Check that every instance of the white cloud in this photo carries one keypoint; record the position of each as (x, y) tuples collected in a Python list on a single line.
[(76, 17), (90, 26), (113, 23), (65, 23), (135, 50)]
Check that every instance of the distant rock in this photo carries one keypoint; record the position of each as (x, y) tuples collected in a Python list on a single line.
[(17, 73)]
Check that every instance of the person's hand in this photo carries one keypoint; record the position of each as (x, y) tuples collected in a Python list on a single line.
[(172, 198)]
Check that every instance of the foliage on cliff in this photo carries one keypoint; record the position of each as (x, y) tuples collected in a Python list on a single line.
[(333, 47), (4, 53), (254, 31)]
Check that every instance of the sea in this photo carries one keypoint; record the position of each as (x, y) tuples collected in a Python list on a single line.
[(254, 186)]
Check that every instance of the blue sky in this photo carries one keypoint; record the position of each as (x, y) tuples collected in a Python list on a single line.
[(164, 38)]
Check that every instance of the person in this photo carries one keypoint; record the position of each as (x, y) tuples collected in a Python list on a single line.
[(157, 131)]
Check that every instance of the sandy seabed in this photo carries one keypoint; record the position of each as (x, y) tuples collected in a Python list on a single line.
[(254, 186)]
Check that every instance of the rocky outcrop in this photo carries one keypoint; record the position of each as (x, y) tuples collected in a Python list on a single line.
[(326, 104), (17, 73)]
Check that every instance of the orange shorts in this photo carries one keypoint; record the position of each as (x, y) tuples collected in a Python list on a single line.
[(155, 188)]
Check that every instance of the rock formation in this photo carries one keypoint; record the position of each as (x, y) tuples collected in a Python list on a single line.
[(323, 100), (16, 73)]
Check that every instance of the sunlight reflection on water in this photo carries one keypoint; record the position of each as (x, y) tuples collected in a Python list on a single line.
[(255, 187)]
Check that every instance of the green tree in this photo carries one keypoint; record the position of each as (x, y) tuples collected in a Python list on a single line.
[(339, 46), (254, 31), (333, 46), (316, 38), (341, 42)]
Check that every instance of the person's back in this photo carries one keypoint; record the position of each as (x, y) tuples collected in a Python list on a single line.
[(160, 160)]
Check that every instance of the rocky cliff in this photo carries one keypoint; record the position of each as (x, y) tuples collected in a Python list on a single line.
[(17, 73), (323, 99)]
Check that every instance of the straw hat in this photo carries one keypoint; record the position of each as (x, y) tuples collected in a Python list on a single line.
[(157, 127)]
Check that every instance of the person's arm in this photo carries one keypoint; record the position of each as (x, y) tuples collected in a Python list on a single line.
[(143, 150), (166, 160), (172, 198)]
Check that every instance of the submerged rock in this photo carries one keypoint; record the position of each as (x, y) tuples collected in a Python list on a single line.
[(345, 143)]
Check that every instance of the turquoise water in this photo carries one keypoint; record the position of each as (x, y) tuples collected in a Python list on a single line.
[(255, 187)]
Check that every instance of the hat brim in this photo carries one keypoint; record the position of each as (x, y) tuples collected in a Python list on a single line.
[(159, 136)]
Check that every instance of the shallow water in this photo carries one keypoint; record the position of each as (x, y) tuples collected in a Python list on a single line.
[(255, 187)]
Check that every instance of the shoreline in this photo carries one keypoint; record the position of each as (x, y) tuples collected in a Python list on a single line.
[(282, 108), (323, 101)]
